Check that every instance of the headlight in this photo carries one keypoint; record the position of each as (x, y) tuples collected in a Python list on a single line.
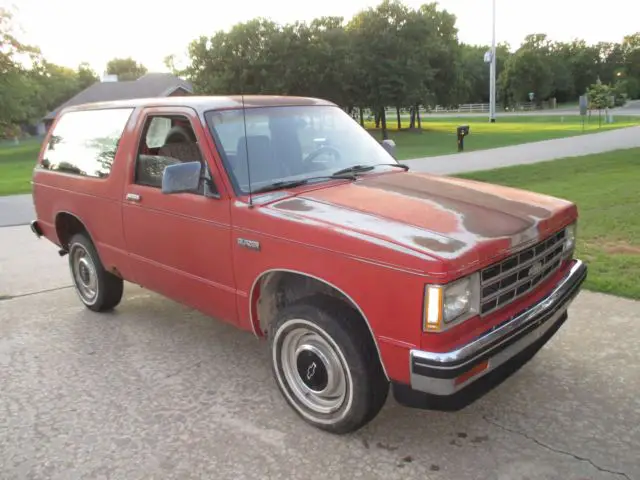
[(457, 300), (569, 240), (444, 304)]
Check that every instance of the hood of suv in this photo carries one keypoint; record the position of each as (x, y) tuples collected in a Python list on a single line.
[(443, 217)]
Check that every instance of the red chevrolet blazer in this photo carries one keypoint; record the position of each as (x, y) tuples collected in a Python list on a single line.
[(283, 216)]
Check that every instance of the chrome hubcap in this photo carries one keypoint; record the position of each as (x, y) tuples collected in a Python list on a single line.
[(84, 273), (313, 370)]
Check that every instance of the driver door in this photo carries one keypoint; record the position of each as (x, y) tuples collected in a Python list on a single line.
[(179, 244)]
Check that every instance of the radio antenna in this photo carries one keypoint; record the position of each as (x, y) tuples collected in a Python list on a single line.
[(246, 141)]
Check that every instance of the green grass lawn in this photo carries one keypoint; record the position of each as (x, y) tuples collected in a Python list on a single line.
[(16, 166), (606, 188), (438, 136)]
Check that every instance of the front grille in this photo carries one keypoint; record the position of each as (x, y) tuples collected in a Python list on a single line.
[(511, 278)]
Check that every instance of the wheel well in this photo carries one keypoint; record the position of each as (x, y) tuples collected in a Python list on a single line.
[(277, 289), (67, 225)]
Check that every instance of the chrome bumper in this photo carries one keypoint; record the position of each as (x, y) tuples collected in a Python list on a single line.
[(436, 372)]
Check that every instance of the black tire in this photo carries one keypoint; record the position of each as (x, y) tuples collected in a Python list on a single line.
[(334, 325), (87, 271)]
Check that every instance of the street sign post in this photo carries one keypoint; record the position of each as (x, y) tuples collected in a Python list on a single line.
[(492, 68)]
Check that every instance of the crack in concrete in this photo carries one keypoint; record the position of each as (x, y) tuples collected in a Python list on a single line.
[(553, 449), (28, 294), (9, 225)]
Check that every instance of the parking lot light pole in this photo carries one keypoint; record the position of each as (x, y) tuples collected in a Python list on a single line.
[(492, 74)]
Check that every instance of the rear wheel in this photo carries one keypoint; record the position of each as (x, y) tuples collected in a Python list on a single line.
[(326, 364), (98, 289)]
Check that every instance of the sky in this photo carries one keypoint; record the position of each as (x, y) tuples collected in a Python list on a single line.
[(72, 31)]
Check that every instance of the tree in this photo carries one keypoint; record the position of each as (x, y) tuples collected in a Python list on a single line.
[(16, 81), (126, 68), (328, 71), (395, 56), (373, 33), (443, 76), (242, 60), (86, 76), (562, 83), (631, 74), (31, 86), (474, 86), (611, 61), (54, 84), (583, 61), (600, 97), (391, 60), (528, 70)]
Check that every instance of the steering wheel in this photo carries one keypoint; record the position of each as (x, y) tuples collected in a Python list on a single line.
[(321, 150)]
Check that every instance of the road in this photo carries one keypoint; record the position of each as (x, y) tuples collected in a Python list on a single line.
[(16, 210), (528, 152), (155, 390)]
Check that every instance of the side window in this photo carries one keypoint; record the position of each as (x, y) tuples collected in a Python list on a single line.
[(168, 140), (85, 142)]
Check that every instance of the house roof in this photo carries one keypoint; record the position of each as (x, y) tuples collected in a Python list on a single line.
[(149, 85)]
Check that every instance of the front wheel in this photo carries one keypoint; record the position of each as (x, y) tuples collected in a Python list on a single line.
[(326, 364), (97, 288)]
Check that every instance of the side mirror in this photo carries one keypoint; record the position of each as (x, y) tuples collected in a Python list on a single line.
[(390, 146), (181, 177)]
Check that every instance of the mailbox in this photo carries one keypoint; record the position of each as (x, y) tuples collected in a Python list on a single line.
[(390, 146), (462, 131)]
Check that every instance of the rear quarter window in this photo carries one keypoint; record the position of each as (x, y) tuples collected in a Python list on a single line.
[(85, 142)]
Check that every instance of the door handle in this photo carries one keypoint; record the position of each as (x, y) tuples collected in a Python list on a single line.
[(133, 197)]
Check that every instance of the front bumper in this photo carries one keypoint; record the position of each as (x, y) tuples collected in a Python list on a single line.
[(446, 373)]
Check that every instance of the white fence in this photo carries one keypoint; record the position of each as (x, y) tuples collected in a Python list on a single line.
[(479, 108), (464, 108)]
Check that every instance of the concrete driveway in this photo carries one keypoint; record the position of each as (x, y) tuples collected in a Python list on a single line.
[(155, 390)]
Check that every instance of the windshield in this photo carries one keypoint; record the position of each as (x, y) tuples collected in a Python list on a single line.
[(291, 143)]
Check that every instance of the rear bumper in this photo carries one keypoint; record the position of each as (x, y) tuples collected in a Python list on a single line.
[(447, 373)]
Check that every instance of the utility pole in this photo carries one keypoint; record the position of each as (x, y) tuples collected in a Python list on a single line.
[(492, 74)]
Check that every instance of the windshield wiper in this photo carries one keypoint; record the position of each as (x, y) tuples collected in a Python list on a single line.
[(344, 174), (303, 181), (368, 168)]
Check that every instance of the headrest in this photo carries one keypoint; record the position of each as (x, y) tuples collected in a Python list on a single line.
[(180, 134)]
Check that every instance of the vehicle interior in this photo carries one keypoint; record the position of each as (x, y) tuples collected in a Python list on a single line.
[(165, 141), (275, 146)]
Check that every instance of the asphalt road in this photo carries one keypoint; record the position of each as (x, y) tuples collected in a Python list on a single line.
[(528, 152), (16, 210), (155, 390)]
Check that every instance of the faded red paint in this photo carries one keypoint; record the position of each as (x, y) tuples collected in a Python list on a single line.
[(379, 239)]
